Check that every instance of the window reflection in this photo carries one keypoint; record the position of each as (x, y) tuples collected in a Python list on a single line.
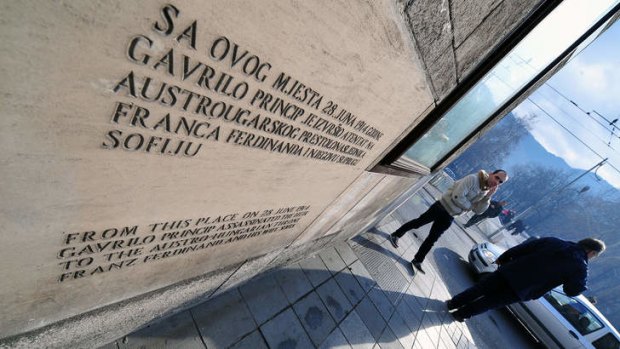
[(536, 51), (574, 312)]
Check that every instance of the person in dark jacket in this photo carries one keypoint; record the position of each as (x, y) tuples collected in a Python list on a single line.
[(495, 208), (528, 271)]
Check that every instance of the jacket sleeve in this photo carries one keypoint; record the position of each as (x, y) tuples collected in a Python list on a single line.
[(480, 206), (460, 190), (577, 282)]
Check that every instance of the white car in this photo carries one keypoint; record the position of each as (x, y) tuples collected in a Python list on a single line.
[(560, 321), (556, 320), (482, 257)]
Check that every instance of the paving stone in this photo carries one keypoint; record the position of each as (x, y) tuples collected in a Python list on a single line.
[(264, 298), (315, 318), (293, 282), (254, 341), (362, 275), (335, 340), (389, 341), (412, 319), (223, 320), (401, 330), (350, 286), (371, 317), (337, 303), (285, 332), (177, 331), (346, 252), (332, 260), (315, 270), (423, 340), (356, 332), (382, 303)]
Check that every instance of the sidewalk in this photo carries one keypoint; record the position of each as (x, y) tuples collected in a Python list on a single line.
[(356, 294)]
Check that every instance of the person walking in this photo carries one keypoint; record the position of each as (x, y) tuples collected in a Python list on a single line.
[(528, 271), (495, 208), (472, 192)]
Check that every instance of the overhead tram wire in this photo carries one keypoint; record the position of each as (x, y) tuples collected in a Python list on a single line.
[(571, 101), (574, 135), (566, 129), (541, 108)]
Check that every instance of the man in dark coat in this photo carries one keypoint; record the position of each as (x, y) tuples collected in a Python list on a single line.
[(495, 208), (528, 271)]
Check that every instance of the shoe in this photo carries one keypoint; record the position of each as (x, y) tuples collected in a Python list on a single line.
[(450, 304), (458, 317), (394, 241), (418, 266)]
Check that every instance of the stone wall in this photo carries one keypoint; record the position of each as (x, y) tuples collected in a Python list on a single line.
[(253, 146)]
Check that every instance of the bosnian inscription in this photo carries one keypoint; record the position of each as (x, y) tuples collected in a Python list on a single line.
[(236, 97), (90, 253)]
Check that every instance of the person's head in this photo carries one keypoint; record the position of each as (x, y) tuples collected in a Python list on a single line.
[(496, 178), (593, 247)]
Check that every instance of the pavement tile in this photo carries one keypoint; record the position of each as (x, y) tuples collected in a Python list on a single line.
[(254, 341), (285, 331), (293, 282), (335, 340), (337, 303), (382, 303), (356, 332), (314, 317), (350, 286), (332, 260), (423, 340), (346, 252), (177, 331), (445, 341), (362, 275), (371, 317), (389, 341), (412, 318), (431, 327), (264, 298), (223, 320), (403, 333), (315, 270)]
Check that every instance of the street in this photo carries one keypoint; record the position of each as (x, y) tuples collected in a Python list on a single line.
[(491, 330)]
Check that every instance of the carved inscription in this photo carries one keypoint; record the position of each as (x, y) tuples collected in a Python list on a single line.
[(89, 253), (236, 97)]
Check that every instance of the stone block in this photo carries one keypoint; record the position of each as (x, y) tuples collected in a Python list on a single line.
[(285, 331)]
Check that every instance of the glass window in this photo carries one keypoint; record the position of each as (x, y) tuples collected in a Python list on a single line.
[(608, 341), (538, 49), (574, 312)]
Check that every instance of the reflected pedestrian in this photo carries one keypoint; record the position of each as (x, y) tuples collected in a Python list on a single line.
[(470, 193), (528, 271)]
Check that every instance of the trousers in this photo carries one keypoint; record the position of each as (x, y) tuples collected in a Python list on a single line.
[(490, 293), (441, 222)]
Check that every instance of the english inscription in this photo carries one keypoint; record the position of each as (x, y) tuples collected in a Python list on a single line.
[(90, 253)]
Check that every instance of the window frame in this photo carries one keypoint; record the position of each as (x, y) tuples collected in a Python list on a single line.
[(394, 162)]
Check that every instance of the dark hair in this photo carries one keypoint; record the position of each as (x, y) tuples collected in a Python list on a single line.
[(591, 244), (498, 171)]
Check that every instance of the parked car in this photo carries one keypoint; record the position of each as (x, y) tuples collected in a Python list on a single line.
[(560, 321), (556, 320), (482, 258)]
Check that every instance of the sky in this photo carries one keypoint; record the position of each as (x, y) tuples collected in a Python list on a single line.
[(591, 79)]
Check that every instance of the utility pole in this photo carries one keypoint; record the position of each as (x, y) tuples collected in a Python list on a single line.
[(554, 191)]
